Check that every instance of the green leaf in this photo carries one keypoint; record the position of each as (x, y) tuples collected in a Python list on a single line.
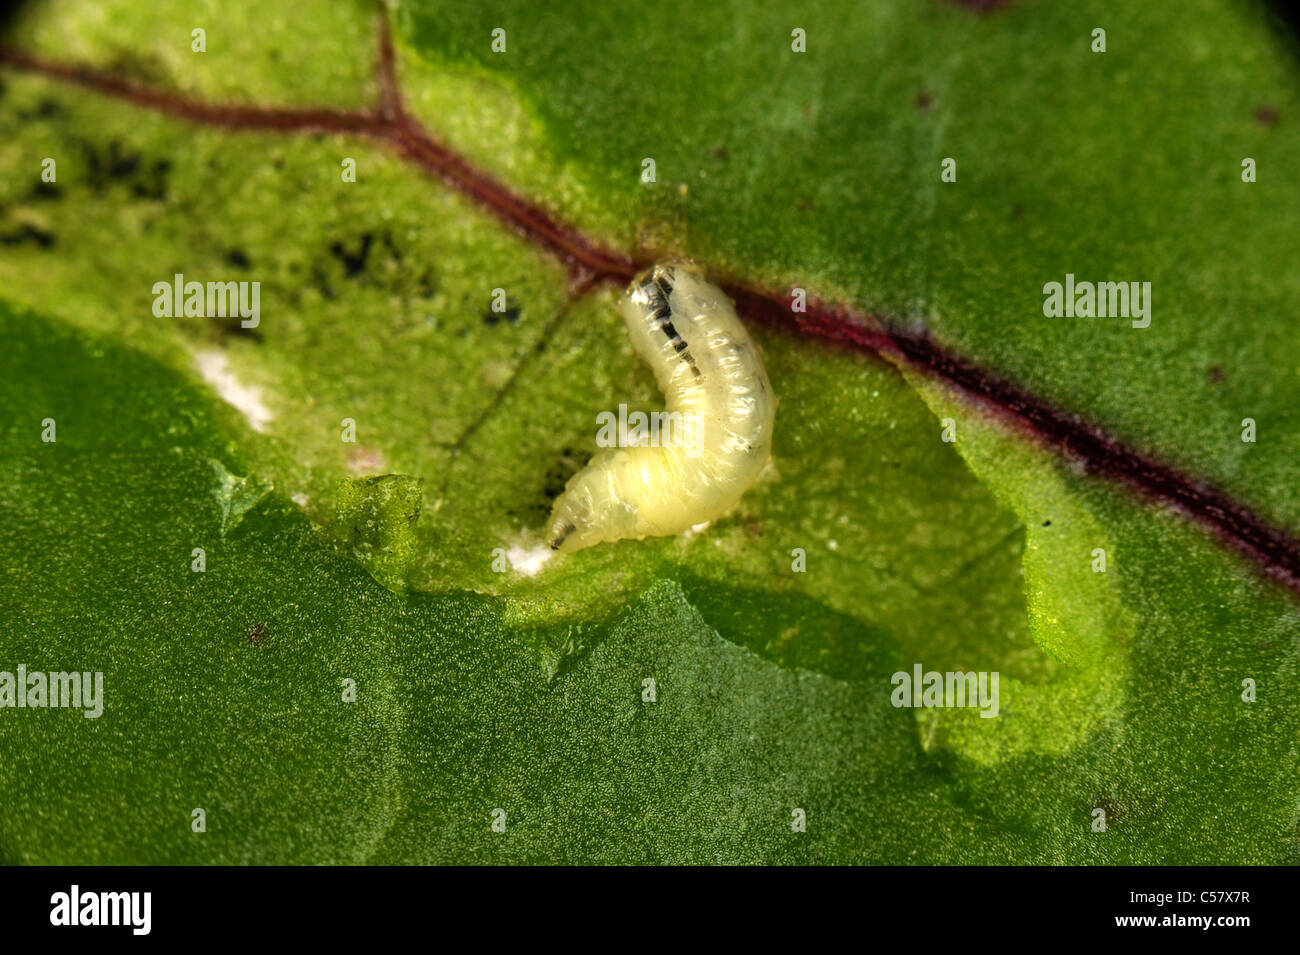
[(668, 700)]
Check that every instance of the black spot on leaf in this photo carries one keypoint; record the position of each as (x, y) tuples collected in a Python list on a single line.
[(354, 263), (28, 234), (45, 109), (511, 314), (47, 190), (558, 474), (233, 327), (114, 164)]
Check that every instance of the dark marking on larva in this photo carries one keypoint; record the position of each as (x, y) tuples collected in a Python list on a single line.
[(238, 258), (657, 291), (680, 346)]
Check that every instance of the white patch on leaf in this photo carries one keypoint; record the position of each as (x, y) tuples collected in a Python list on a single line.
[(214, 366), (529, 561)]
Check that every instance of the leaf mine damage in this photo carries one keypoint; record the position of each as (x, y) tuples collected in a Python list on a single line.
[(1275, 550)]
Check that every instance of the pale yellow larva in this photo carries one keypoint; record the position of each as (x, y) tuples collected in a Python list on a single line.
[(711, 373)]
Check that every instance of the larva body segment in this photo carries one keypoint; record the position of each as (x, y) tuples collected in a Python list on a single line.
[(712, 375)]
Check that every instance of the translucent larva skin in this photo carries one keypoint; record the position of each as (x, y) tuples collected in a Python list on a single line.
[(710, 371)]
